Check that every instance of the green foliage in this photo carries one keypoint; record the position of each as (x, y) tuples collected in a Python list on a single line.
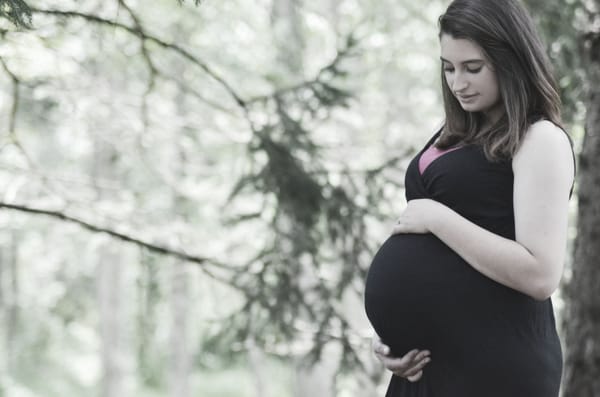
[(196, 162), (313, 219), (16, 11), (152, 125), (19, 13), (561, 29)]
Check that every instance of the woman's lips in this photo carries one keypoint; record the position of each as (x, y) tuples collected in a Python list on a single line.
[(466, 98)]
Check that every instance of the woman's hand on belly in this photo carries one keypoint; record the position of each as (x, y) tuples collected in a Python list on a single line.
[(417, 216), (409, 366)]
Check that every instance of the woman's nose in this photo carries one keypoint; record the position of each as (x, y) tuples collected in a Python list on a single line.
[(459, 83)]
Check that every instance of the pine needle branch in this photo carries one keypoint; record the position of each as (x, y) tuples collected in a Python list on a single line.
[(16, 11)]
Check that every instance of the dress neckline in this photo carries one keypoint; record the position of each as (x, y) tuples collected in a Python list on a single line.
[(428, 145)]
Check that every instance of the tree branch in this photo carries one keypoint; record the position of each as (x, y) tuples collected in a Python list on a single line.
[(121, 236), (12, 121), (244, 104), (15, 105), (321, 75), (136, 31)]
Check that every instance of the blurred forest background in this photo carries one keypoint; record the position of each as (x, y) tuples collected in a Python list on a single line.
[(191, 192)]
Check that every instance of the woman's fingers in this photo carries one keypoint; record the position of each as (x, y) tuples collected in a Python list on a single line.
[(423, 354), (415, 377), (409, 366), (417, 368), (400, 364)]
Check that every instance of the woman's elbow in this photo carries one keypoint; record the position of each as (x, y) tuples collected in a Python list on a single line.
[(545, 287), (542, 294)]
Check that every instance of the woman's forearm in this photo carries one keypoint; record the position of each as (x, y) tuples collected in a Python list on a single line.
[(501, 259)]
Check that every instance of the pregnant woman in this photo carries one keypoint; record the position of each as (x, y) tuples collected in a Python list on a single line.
[(460, 292)]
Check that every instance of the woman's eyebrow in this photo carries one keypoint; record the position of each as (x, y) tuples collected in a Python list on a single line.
[(464, 62)]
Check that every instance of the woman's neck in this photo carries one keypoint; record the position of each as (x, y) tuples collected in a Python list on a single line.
[(493, 115)]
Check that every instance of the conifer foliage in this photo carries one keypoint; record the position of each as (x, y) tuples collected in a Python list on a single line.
[(16, 11), (317, 247), (314, 224)]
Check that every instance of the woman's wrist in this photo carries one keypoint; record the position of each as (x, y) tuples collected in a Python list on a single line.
[(436, 214)]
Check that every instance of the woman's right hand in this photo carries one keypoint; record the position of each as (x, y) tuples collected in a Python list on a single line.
[(409, 366)]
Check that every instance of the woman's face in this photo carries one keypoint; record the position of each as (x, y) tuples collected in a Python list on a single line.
[(470, 77)]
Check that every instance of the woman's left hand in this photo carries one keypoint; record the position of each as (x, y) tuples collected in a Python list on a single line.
[(417, 217)]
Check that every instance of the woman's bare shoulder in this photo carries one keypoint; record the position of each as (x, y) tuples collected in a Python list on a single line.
[(544, 142), (545, 131), (544, 136)]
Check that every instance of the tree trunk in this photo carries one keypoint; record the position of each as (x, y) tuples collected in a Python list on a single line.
[(260, 372), (180, 357), (110, 291), (319, 380), (109, 277), (13, 315), (582, 317), (181, 347), (150, 368), (9, 301)]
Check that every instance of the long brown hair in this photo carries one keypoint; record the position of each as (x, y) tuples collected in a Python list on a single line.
[(507, 35)]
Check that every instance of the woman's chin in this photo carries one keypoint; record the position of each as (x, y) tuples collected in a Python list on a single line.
[(471, 107)]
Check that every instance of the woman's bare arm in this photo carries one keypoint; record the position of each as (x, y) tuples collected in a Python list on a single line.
[(533, 262)]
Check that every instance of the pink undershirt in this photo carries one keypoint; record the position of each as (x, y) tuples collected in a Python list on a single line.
[(431, 154)]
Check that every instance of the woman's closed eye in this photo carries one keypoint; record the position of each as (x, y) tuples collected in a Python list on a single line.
[(469, 70)]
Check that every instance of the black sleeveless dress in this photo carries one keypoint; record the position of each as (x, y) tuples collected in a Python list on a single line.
[(486, 339)]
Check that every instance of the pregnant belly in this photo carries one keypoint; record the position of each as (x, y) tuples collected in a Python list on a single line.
[(419, 294), (416, 288)]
